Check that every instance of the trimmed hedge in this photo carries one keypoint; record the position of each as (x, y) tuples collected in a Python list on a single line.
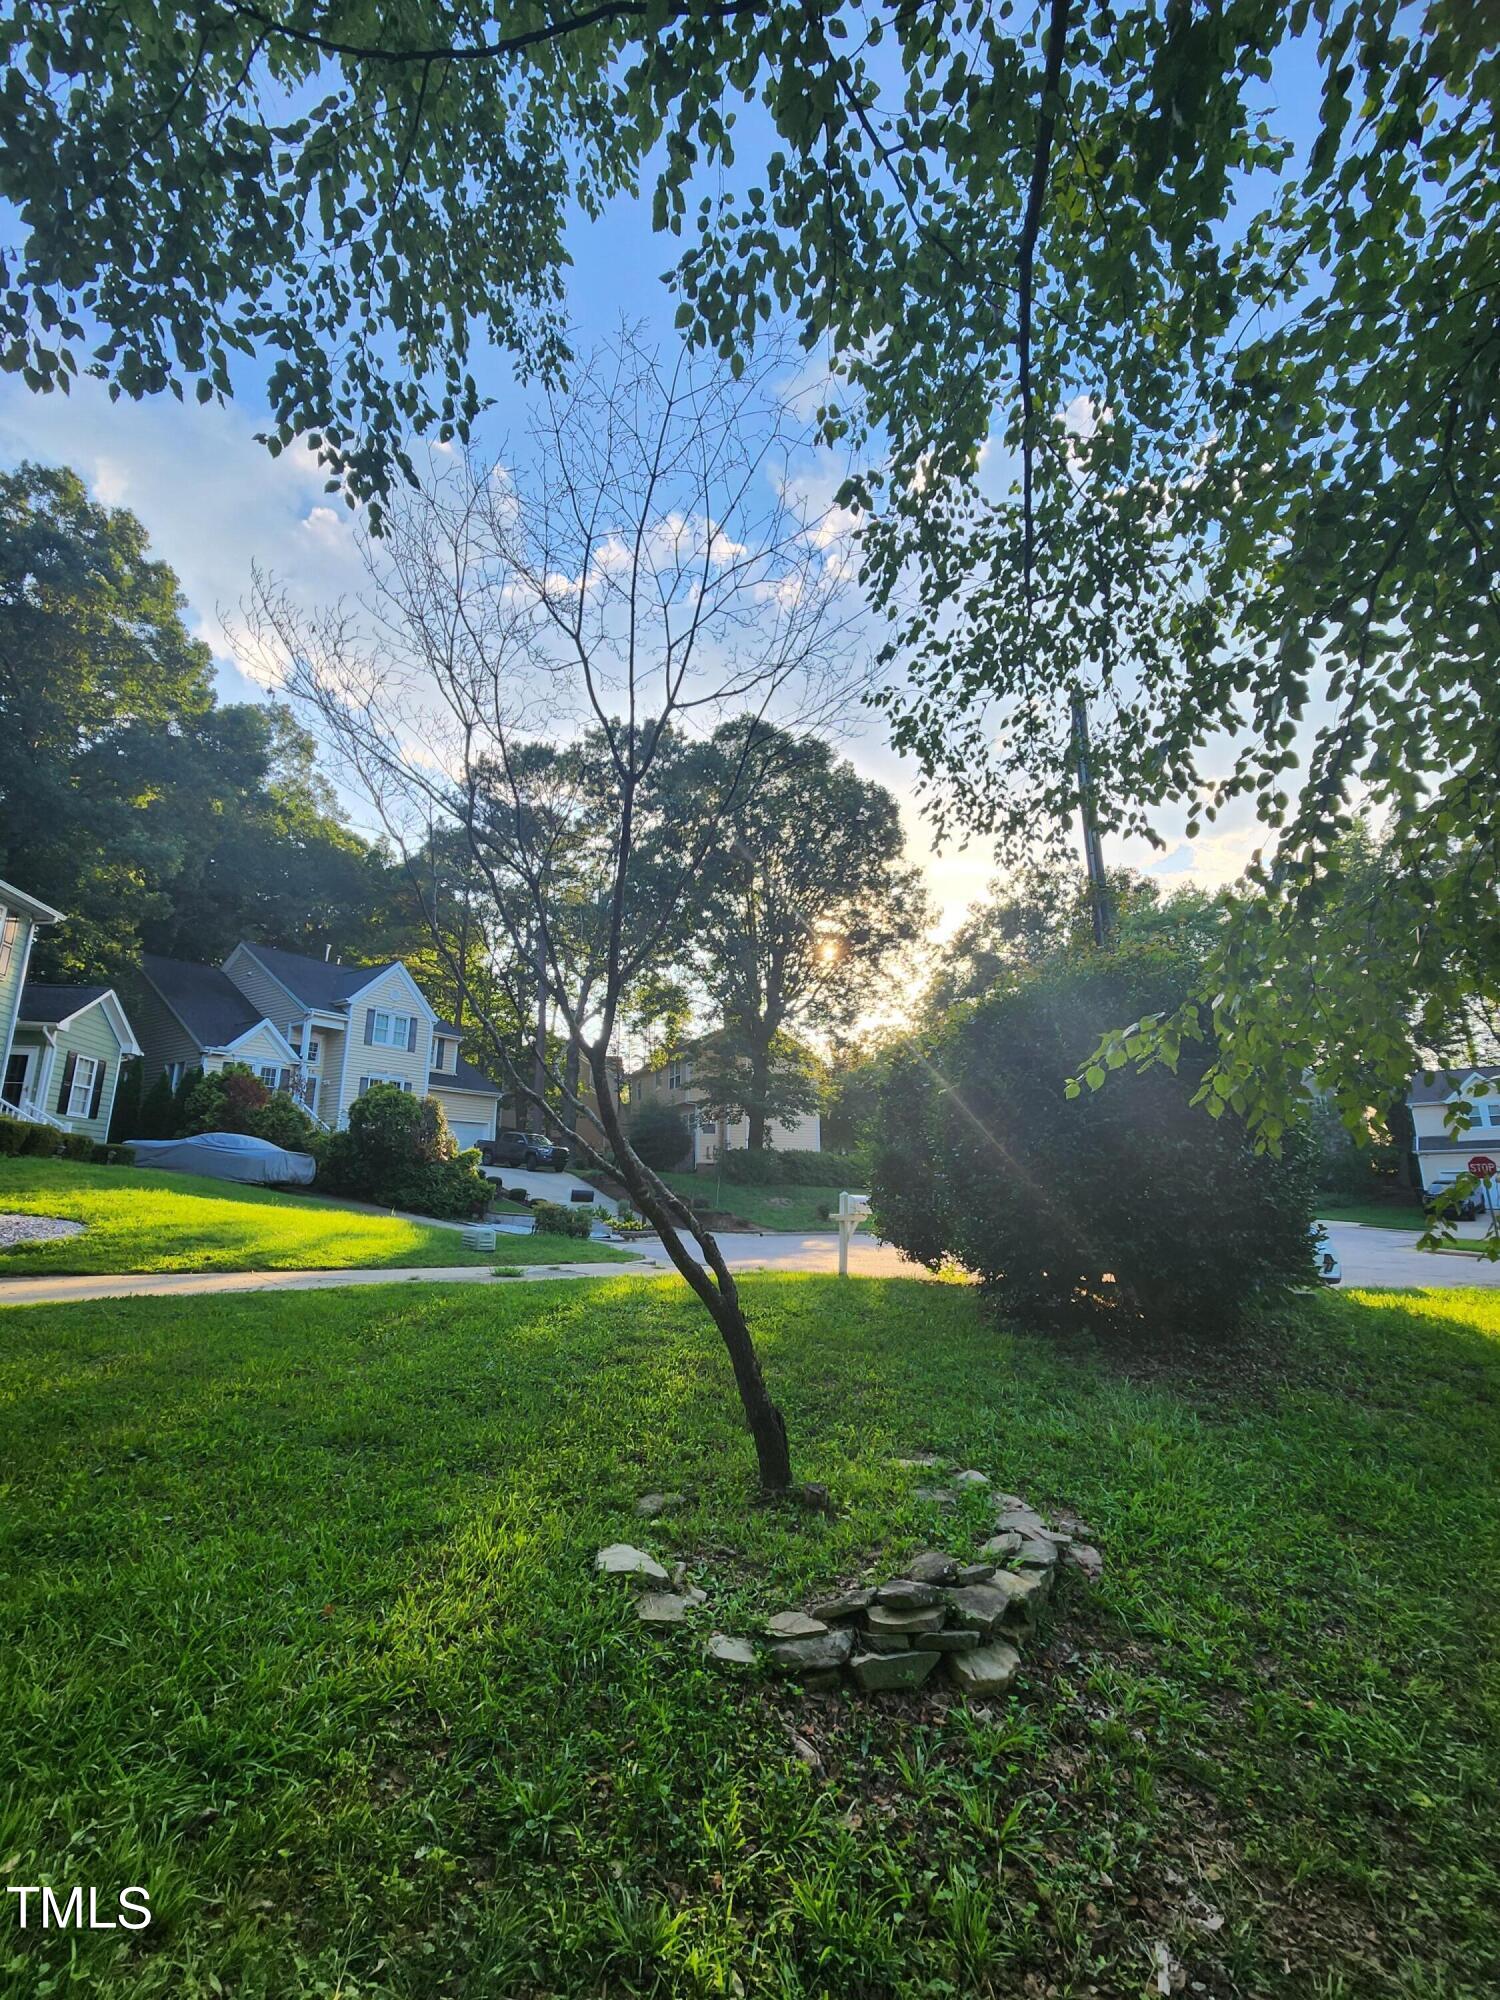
[(793, 1168)]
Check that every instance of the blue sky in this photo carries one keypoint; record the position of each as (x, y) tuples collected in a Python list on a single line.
[(213, 503)]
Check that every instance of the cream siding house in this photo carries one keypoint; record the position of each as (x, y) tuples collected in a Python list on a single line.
[(671, 1083), (20, 916), (321, 1030), (71, 1042), (1440, 1152)]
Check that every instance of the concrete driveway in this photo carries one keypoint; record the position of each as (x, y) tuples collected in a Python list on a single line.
[(1384, 1258)]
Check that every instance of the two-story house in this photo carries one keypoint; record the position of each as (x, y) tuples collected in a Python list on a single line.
[(671, 1083), (61, 1047), (1440, 1152), (320, 1030)]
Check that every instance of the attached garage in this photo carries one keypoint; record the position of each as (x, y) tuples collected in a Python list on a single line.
[(470, 1101)]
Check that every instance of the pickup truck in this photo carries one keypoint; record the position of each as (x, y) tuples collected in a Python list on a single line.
[(529, 1150)]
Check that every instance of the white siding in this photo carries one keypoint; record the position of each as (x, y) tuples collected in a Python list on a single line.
[(390, 994)]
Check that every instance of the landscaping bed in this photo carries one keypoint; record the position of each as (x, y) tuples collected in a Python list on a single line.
[(300, 1628)]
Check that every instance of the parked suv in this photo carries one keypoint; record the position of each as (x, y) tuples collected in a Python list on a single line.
[(523, 1149), (1471, 1206)]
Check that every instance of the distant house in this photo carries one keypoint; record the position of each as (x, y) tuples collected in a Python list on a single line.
[(1443, 1153), (321, 1031), (62, 1046), (671, 1083)]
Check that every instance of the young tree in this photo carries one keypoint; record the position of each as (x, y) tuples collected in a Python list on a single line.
[(1243, 379), (543, 638), (804, 907)]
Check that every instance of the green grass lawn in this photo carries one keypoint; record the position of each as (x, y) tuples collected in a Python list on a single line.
[(794, 1208), (298, 1629), (1375, 1214), (149, 1221)]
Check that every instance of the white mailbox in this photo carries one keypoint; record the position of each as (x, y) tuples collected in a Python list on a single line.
[(853, 1210)]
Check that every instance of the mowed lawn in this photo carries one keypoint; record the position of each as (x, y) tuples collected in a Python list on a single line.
[(149, 1221), (780, 1207), (299, 1630)]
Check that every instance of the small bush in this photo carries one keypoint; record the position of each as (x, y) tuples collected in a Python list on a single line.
[(660, 1137), (1126, 1205), (556, 1218), (283, 1122), (12, 1136), (40, 1142), (76, 1145), (224, 1100)]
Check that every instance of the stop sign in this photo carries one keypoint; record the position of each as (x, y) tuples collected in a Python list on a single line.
[(1482, 1167)]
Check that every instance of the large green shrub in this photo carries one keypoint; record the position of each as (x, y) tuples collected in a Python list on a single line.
[(12, 1136), (659, 1133), (399, 1152), (1127, 1204)]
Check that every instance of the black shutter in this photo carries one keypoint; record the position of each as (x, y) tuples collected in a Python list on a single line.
[(369, 1025), (98, 1097), (411, 1034), (67, 1084)]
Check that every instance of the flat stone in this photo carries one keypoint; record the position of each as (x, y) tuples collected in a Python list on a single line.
[(971, 1478), (975, 1573), (1074, 1524), (794, 1625), (620, 1559), (979, 1606), (932, 1566), (661, 1607), (848, 1604), (1023, 1520), (907, 1594), (1002, 1547), (651, 1504), (887, 1618), (1026, 1590), (726, 1651), (1036, 1552), (874, 1671), (956, 1639), (694, 1596), (1088, 1559), (940, 1496), (817, 1654), (987, 1670), (822, 1681), (923, 1459), (892, 1642)]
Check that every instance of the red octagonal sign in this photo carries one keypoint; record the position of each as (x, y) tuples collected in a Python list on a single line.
[(1482, 1167)]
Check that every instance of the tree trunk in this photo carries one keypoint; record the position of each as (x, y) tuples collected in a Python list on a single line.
[(536, 1116), (718, 1292), (760, 1088)]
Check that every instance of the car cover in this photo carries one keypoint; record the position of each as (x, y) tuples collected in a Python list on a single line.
[(227, 1156)]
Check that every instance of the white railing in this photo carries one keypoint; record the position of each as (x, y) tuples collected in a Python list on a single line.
[(35, 1114)]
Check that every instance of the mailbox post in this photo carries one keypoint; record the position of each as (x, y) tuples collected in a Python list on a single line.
[(853, 1210)]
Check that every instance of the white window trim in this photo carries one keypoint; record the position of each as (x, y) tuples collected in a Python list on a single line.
[(398, 1028), (82, 1090), (10, 931), (380, 1076)]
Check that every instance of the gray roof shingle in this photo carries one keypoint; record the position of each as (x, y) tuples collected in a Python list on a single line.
[(316, 982), (51, 1004), (206, 1001), (1441, 1086)]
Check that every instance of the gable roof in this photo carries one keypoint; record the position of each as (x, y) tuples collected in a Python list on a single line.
[(206, 1001), (316, 982), (51, 1005), (1446, 1083), (44, 1006)]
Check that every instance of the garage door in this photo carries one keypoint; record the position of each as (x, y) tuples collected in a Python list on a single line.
[(468, 1131)]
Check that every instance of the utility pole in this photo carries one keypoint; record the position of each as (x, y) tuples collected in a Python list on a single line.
[(1093, 851)]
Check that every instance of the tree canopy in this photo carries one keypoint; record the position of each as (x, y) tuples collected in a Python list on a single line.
[(804, 905), (1241, 378), (128, 797)]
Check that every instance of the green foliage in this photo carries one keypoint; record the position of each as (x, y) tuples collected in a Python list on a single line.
[(660, 1136), (158, 1112), (13, 1135), (125, 1117), (805, 901), (399, 1152), (224, 1100), (1127, 1206), (1248, 378), (789, 1167), (131, 800), (282, 1121), (296, 1474), (559, 1218)]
